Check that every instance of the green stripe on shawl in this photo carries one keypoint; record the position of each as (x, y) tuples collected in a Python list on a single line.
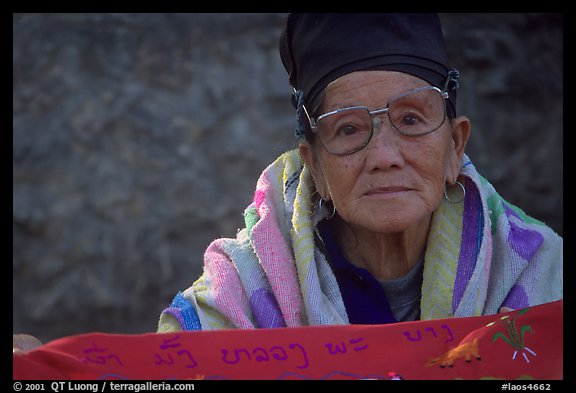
[(496, 203), (250, 218)]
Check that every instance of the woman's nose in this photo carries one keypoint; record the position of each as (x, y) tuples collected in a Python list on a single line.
[(385, 147)]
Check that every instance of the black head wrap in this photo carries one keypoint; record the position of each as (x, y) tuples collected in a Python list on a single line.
[(316, 49)]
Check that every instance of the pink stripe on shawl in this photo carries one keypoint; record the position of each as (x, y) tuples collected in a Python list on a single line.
[(226, 289), (275, 257), (259, 196)]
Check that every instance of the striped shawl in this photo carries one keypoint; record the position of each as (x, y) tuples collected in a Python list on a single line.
[(481, 254)]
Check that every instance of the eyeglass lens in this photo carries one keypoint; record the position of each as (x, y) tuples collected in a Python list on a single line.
[(348, 130)]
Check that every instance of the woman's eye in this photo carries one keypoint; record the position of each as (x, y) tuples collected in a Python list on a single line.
[(410, 119), (348, 130)]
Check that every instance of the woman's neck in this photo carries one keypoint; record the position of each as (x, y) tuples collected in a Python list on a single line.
[(385, 255)]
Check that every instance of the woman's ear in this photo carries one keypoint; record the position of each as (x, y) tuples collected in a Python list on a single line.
[(311, 161), (461, 130)]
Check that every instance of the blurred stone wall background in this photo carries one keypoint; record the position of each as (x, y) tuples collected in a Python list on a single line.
[(138, 138)]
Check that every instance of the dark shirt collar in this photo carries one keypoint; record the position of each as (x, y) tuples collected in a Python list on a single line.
[(363, 296)]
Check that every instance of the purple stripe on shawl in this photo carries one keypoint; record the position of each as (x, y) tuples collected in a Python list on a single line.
[(266, 310), (516, 298), (525, 242), (175, 312), (472, 224)]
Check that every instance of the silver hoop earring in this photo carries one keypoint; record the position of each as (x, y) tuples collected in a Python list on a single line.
[(320, 206), (458, 200)]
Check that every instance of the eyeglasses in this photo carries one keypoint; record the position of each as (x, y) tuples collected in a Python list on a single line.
[(348, 130)]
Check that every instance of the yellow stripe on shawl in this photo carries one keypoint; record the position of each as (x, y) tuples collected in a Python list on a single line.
[(204, 298), (441, 261), (302, 233), (292, 164)]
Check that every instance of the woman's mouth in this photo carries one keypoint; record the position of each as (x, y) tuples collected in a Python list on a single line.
[(387, 190)]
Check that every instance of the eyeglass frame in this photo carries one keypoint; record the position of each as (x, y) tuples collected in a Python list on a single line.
[(444, 95)]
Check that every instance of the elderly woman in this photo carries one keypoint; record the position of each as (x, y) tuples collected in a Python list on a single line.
[(379, 216)]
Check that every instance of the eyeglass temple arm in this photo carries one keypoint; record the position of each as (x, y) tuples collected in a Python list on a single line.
[(310, 120)]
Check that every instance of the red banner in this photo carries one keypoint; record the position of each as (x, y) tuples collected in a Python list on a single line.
[(523, 344)]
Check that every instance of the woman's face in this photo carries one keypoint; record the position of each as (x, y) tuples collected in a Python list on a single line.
[(396, 180)]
